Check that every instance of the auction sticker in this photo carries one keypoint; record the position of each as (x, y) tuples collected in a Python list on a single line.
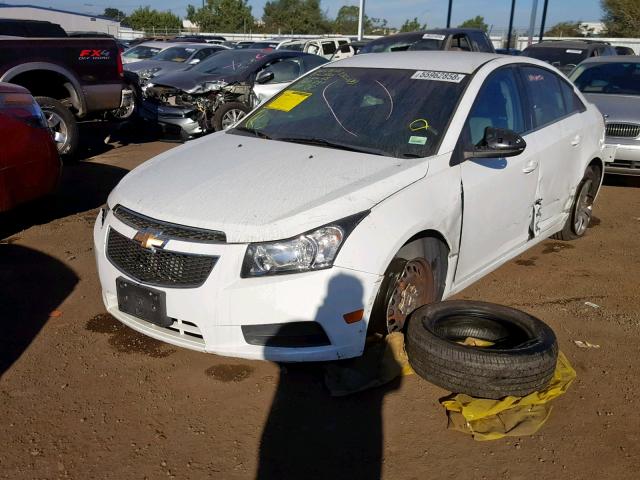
[(433, 36), (438, 76), (577, 52), (288, 101)]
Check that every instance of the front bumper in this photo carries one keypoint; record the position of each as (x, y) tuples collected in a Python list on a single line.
[(210, 318), (626, 160), (174, 121)]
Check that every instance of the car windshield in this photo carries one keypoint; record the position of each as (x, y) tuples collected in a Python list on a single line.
[(558, 57), (390, 44), (229, 61), (395, 113), (175, 54), (613, 78), (141, 52)]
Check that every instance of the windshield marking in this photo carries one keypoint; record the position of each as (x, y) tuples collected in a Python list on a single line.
[(438, 76), (324, 96), (390, 98)]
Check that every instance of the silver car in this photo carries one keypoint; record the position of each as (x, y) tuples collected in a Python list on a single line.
[(613, 85)]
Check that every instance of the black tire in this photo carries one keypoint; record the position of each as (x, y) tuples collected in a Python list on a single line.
[(590, 182), (430, 251), (61, 120), (522, 359), (223, 110)]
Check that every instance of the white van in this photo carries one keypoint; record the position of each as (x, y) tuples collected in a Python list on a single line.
[(328, 48)]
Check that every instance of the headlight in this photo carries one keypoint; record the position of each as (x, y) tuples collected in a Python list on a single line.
[(314, 250)]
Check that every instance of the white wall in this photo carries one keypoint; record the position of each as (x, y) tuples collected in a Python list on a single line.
[(69, 21)]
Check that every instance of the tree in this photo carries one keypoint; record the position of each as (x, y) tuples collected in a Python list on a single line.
[(297, 16), (222, 16), (346, 21), (144, 18), (565, 29), (114, 13), (412, 25), (476, 22), (621, 17)]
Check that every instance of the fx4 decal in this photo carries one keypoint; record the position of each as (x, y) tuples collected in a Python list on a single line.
[(91, 54)]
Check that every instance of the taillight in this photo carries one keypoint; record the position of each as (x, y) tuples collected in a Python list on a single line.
[(23, 107), (120, 67)]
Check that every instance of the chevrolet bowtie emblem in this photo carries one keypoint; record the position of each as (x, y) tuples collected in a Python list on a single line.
[(150, 239)]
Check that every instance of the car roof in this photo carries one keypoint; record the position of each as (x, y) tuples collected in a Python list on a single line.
[(613, 59), (459, 62)]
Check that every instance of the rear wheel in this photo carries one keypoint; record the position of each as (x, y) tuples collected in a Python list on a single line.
[(62, 124), (228, 114), (582, 208)]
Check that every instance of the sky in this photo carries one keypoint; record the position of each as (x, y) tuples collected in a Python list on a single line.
[(433, 12)]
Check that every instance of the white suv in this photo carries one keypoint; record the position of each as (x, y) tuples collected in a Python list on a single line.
[(369, 187)]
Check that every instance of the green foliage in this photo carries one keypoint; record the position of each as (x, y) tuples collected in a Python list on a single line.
[(476, 22), (227, 16), (346, 21), (114, 13), (412, 25), (295, 16), (565, 29), (622, 17), (145, 18)]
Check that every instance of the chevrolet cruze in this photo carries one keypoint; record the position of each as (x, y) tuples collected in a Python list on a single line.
[(367, 188)]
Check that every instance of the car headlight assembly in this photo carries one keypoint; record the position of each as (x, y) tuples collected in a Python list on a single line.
[(313, 250)]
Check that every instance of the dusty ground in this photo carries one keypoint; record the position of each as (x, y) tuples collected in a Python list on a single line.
[(83, 397)]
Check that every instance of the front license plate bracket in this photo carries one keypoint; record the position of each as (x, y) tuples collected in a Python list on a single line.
[(142, 302)]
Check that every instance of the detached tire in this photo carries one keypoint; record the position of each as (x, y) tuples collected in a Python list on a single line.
[(228, 114), (62, 121), (521, 360), (582, 206)]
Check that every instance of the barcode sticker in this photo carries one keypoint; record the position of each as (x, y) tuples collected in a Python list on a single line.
[(438, 76)]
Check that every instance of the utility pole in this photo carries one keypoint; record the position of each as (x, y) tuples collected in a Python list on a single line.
[(513, 8), (449, 14), (544, 19), (532, 21), (361, 21)]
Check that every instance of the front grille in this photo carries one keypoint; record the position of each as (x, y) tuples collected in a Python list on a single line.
[(171, 230), (157, 267), (623, 130), (624, 164)]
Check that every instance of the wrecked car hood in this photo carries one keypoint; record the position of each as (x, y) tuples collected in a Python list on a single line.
[(258, 190), (164, 66), (187, 80)]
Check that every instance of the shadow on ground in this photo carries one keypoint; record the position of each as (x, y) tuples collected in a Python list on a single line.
[(33, 286)]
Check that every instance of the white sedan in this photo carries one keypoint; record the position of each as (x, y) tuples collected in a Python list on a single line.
[(366, 189)]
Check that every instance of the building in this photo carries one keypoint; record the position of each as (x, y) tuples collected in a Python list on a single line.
[(70, 21)]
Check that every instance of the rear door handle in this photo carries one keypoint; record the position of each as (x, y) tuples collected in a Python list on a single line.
[(531, 166), (576, 141)]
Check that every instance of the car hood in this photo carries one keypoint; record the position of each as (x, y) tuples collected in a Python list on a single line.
[(617, 108), (187, 80), (258, 190), (164, 67)]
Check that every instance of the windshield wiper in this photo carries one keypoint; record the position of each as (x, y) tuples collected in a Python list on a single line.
[(321, 142), (255, 133)]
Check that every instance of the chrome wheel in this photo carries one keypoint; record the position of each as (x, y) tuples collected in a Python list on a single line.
[(583, 209), (231, 117), (414, 288), (59, 129)]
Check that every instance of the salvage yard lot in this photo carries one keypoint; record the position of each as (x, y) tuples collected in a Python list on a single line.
[(82, 396)]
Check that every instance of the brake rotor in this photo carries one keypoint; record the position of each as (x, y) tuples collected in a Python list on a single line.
[(414, 288)]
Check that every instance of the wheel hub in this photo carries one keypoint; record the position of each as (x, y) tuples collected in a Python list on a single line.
[(231, 117), (414, 288)]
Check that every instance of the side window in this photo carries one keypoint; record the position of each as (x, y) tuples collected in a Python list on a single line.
[(480, 42), (460, 42), (342, 42), (328, 48), (204, 53), (285, 70), (498, 105), (572, 103), (545, 95)]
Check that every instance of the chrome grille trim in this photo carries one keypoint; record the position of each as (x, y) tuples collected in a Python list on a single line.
[(623, 130), (170, 230)]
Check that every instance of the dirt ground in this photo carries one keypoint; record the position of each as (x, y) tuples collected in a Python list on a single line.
[(82, 396)]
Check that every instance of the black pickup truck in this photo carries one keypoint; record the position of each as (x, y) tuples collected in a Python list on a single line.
[(71, 78)]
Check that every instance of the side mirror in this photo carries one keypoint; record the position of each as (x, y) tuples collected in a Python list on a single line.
[(265, 76), (497, 143), (195, 61)]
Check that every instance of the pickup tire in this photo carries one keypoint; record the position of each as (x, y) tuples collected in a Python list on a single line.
[(444, 345), (228, 113), (582, 207), (61, 121)]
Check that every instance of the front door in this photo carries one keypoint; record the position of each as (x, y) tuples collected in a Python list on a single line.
[(499, 193)]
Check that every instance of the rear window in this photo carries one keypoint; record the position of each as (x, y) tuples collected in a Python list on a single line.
[(175, 54), (558, 56), (611, 78), (391, 44), (141, 52)]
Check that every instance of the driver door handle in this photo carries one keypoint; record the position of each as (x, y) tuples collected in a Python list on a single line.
[(576, 141), (531, 166)]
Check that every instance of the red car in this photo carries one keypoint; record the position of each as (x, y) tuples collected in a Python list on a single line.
[(29, 161)]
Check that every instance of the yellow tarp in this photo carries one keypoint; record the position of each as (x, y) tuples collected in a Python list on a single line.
[(511, 416)]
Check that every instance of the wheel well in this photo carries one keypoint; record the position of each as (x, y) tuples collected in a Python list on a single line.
[(599, 166), (46, 83), (429, 234)]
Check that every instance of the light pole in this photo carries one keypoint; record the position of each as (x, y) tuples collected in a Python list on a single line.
[(513, 8), (449, 14), (544, 19), (532, 21), (361, 21)]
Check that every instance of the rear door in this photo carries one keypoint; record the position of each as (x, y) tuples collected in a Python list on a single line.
[(558, 123), (499, 193)]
